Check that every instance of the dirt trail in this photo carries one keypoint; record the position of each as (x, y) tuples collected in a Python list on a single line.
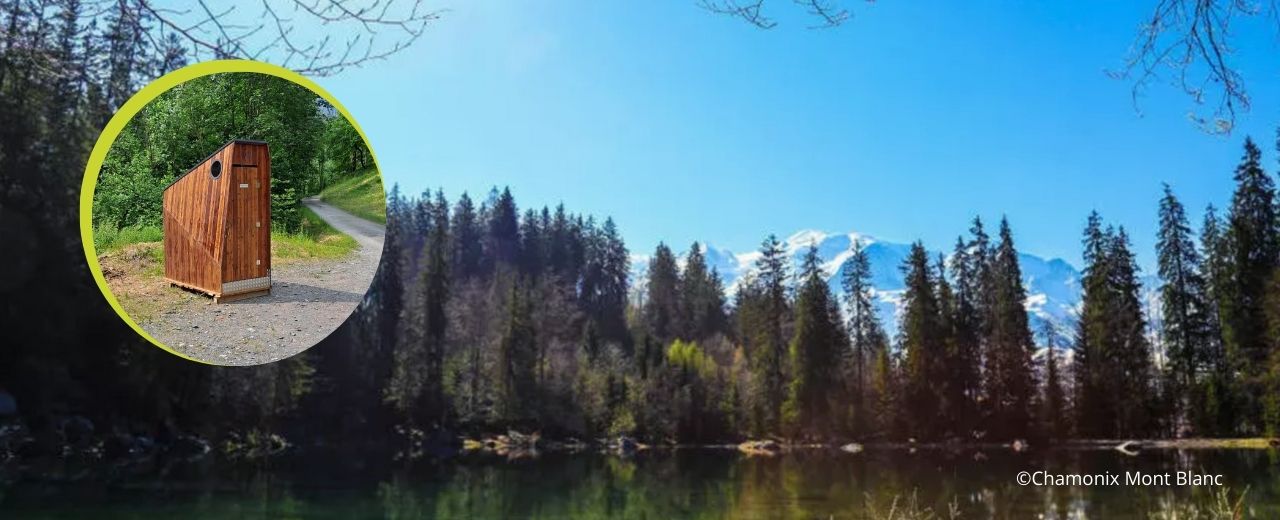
[(308, 300)]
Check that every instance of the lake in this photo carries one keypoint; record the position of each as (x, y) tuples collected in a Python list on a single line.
[(654, 484)]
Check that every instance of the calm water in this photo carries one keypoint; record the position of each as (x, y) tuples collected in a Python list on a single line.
[(651, 485)]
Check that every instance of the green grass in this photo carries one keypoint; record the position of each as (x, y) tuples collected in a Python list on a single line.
[(107, 237), (316, 239), (360, 194)]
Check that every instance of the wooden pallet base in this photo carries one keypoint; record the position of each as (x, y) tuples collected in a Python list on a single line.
[(241, 296), (190, 287)]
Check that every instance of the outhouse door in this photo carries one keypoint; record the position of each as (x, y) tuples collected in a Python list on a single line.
[(249, 225)]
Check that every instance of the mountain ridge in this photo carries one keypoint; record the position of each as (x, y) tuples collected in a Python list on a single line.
[(1053, 284)]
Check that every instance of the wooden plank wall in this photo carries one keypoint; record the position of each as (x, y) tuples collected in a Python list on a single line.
[(194, 214), (247, 240)]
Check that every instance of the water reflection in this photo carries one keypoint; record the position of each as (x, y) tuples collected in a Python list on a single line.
[(658, 484)]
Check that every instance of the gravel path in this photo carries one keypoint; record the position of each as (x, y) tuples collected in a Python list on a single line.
[(308, 301)]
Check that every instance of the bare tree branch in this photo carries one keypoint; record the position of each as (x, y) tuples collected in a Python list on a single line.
[(749, 11), (371, 29), (828, 13), (1188, 44)]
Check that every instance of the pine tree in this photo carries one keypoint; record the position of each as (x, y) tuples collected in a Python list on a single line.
[(516, 358), (560, 252), (387, 286), (1010, 383), (1094, 406), (1215, 408), (502, 241), (605, 283), (701, 297), (867, 337), (661, 306), (435, 287), (1053, 416), (953, 403), (813, 352), (416, 390), (1184, 305), (466, 240), (1132, 352), (768, 356), (885, 393), (965, 365), (1252, 241), (532, 255), (922, 342), (1113, 358)]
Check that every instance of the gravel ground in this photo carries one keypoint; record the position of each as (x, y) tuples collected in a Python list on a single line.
[(308, 301)]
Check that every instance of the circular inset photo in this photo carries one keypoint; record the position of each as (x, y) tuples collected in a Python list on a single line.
[(233, 213)]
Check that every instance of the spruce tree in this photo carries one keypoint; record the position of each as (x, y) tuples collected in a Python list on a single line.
[(465, 236), (701, 297), (965, 367), (1053, 416), (516, 354), (1095, 407), (1113, 357), (532, 256), (661, 306), (1131, 352), (1184, 306), (502, 240), (886, 414), (922, 342), (388, 287), (1214, 411), (1010, 382), (866, 336), (1252, 240), (769, 349), (952, 404), (416, 389), (813, 352), (605, 283), (435, 287), (560, 251)]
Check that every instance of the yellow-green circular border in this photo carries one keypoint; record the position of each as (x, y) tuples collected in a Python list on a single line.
[(131, 109)]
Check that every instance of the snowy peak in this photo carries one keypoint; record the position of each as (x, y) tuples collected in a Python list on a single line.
[(1053, 285)]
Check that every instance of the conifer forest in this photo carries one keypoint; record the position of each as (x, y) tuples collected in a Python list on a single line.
[(487, 316)]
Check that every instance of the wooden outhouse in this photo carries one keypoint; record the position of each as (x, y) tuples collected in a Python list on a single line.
[(217, 224)]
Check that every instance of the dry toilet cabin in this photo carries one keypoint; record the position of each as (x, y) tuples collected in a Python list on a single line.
[(217, 224)]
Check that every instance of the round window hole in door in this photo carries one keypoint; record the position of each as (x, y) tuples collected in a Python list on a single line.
[(215, 169)]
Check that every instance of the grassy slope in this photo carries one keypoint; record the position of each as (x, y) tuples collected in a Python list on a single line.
[(316, 240), (360, 194)]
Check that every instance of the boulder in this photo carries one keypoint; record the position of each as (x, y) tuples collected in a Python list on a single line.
[(189, 446), (762, 447), (625, 445)]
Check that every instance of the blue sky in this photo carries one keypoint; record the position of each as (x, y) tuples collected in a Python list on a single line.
[(903, 124)]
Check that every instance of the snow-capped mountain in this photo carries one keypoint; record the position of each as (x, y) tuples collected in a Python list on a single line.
[(1053, 285)]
